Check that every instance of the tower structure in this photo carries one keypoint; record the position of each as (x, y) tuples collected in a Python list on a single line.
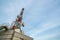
[(15, 32)]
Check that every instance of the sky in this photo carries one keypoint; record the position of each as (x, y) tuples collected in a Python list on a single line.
[(41, 17)]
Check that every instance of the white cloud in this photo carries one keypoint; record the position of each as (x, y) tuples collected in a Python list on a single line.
[(46, 37), (41, 28)]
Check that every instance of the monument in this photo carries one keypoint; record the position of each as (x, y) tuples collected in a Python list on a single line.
[(14, 32)]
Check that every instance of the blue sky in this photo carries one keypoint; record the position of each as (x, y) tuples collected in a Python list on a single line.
[(42, 17)]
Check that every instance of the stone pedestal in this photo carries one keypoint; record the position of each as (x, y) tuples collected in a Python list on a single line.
[(13, 35)]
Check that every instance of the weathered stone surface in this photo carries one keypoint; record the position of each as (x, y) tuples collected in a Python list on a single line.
[(13, 35), (6, 32), (5, 39)]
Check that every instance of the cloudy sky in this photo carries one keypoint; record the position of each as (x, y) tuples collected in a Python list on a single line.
[(42, 17)]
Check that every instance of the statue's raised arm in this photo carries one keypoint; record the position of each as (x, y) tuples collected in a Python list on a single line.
[(18, 22)]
